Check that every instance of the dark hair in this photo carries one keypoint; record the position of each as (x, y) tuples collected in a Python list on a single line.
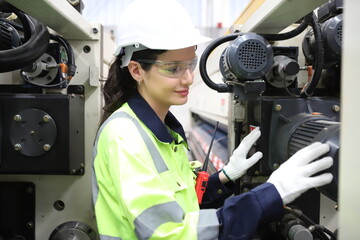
[(120, 86)]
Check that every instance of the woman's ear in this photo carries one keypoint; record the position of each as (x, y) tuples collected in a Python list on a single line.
[(135, 71)]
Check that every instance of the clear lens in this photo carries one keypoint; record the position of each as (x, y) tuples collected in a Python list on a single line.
[(174, 69)]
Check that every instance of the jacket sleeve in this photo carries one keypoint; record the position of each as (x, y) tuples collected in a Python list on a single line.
[(241, 215), (216, 192)]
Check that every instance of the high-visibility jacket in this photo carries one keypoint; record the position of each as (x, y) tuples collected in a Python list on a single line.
[(143, 185)]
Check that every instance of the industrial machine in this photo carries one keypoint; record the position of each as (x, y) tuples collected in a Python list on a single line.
[(288, 84), (51, 60)]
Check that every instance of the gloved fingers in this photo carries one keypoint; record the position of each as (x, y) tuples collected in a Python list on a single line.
[(254, 158), (248, 142), (319, 181), (309, 153), (317, 166)]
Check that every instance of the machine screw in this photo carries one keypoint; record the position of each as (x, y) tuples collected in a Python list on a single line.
[(29, 190), (30, 225), (46, 147), (95, 30), (277, 107), (17, 118), (336, 108), (46, 118), (276, 166), (17, 146)]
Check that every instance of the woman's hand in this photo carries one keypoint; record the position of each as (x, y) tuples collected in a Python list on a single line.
[(239, 163)]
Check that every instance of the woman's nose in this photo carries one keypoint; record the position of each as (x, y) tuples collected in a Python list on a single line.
[(188, 77)]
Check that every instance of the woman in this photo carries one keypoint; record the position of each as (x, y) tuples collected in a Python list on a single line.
[(143, 181)]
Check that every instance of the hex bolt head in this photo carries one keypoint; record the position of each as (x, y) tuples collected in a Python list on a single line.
[(17, 146), (17, 118), (276, 166), (336, 108), (46, 147), (30, 225), (277, 107), (46, 118)]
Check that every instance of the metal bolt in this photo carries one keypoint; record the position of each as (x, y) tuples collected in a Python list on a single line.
[(336, 108), (32, 133), (336, 207), (46, 147), (46, 118), (277, 107), (17, 146), (82, 165), (95, 30), (17, 118), (30, 225), (29, 190), (276, 166)]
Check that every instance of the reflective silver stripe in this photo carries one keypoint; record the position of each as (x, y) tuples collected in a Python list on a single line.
[(150, 219), (208, 225), (105, 237), (155, 155)]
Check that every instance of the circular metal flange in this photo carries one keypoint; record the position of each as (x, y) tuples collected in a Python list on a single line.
[(73, 230), (32, 132)]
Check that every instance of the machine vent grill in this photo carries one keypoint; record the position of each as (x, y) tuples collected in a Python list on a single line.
[(304, 135), (252, 55)]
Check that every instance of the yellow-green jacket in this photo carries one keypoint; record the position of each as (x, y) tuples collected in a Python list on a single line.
[(143, 185)]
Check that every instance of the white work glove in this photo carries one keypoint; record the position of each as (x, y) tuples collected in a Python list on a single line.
[(238, 163), (294, 176)]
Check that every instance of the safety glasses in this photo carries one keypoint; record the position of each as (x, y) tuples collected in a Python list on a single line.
[(173, 69)]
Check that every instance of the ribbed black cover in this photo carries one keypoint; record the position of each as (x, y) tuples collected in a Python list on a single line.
[(305, 134)]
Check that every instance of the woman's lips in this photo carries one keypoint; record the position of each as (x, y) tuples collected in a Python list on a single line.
[(183, 92)]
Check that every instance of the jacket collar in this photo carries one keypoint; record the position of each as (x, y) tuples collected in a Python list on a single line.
[(147, 115)]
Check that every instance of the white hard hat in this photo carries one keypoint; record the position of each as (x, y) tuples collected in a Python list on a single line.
[(155, 24)]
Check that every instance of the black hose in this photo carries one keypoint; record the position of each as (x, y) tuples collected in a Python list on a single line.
[(299, 214), (293, 33), (319, 59), (220, 87), (330, 233), (31, 50)]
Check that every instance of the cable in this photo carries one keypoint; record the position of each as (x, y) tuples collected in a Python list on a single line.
[(71, 58), (203, 60), (283, 36), (320, 229), (325, 230), (308, 89), (37, 40)]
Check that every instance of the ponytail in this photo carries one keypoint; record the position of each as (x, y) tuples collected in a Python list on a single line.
[(120, 85)]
